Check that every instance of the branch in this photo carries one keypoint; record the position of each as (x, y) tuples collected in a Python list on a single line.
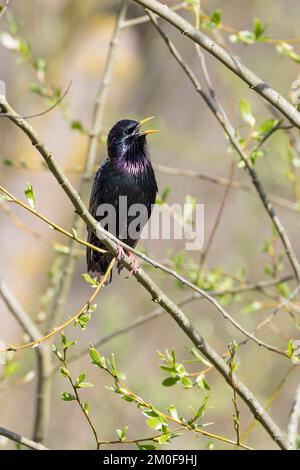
[(44, 366), (294, 419), (204, 254), (141, 320), (21, 439), (4, 8), (145, 18), (222, 118), (173, 273), (156, 293), (167, 170), (40, 340), (11, 198), (230, 61)]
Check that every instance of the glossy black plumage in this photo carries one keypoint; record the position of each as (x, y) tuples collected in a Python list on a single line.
[(126, 172)]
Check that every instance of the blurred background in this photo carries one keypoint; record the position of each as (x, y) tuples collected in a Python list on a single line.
[(72, 38)]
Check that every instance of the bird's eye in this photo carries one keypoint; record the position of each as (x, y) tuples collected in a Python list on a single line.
[(130, 130)]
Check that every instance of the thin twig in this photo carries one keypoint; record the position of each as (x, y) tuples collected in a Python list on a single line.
[(4, 8), (270, 400), (54, 226), (223, 182), (236, 415), (82, 311), (217, 221), (48, 110), (81, 405)]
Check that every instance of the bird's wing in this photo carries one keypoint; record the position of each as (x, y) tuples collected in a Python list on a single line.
[(93, 258)]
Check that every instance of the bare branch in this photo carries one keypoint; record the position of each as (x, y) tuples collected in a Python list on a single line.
[(230, 61), (294, 419), (13, 436), (167, 170), (44, 366)]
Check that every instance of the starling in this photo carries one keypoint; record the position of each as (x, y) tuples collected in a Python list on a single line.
[(124, 180)]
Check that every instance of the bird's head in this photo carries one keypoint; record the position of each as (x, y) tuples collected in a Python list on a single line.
[(126, 138)]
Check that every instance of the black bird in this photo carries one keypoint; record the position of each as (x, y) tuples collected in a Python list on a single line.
[(126, 172)]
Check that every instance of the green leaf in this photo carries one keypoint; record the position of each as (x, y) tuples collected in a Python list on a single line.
[(199, 357), (258, 29), (146, 446), (29, 193), (173, 411), (86, 407), (122, 433), (234, 38), (186, 382), (40, 67), (266, 126), (255, 154), (290, 349), (155, 423), (201, 409), (77, 126), (66, 396), (163, 439), (284, 290), (57, 352), (85, 385), (216, 17), (247, 37), (151, 413), (295, 57), (202, 383), (253, 307), (69, 344), (246, 113), (89, 280), (64, 372), (37, 88), (83, 320), (10, 368), (170, 381), (80, 379), (97, 360)]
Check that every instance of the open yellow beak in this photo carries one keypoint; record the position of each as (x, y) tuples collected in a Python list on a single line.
[(151, 131)]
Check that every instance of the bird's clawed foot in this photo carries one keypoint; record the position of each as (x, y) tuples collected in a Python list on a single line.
[(134, 264), (120, 253)]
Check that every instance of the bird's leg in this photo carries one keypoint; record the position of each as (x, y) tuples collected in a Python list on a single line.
[(134, 264), (120, 253)]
